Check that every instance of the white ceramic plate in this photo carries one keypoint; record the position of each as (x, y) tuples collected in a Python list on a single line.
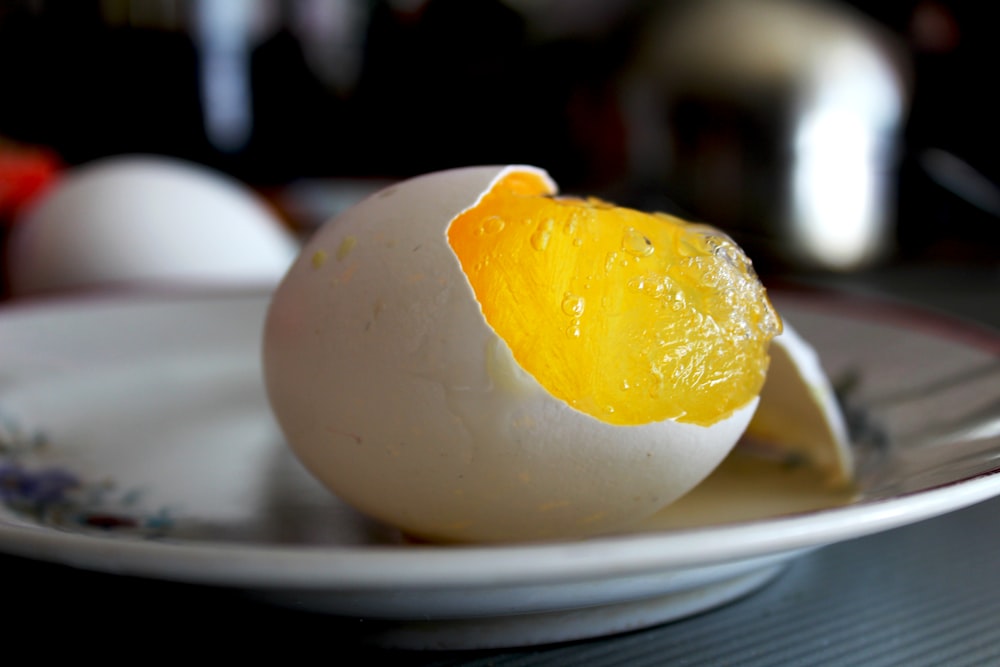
[(135, 439)]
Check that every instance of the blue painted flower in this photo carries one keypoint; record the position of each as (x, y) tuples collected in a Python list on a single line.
[(37, 488), (53, 495)]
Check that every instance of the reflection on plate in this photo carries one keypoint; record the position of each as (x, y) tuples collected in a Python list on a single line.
[(135, 438)]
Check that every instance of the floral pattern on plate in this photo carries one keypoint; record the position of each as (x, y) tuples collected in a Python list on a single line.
[(54, 495)]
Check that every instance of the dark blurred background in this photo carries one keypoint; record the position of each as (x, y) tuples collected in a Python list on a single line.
[(622, 99)]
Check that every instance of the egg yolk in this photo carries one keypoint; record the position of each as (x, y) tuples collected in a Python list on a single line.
[(629, 317)]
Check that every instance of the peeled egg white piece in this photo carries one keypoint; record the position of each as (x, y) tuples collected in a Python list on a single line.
[(799, 416), (134, 219), (394, 392)]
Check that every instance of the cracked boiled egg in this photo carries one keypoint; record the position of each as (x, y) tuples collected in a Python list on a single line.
[(472, 358)]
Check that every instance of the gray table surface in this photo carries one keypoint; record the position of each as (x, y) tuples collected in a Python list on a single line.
[(927, 594)]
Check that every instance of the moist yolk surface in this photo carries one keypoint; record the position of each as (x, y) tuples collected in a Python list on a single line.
[(629, 317)]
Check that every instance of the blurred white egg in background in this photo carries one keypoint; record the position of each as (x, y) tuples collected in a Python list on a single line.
[(134, 220)]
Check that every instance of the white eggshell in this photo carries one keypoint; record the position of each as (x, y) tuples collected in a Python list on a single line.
[(133, 219), (798, 415), (394, 391)]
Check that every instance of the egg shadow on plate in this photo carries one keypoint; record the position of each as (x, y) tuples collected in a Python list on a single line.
[(296, 509)]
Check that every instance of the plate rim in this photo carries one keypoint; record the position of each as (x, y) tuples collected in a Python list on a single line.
[(359, 567)]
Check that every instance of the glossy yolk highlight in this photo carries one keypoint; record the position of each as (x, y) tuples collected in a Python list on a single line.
[(629, 317)]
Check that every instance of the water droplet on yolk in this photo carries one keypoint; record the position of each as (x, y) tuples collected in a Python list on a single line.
[(637, 244), (630, 317), (573, 305)]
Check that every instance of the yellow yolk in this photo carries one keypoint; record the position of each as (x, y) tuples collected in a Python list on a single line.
[(629, 317)]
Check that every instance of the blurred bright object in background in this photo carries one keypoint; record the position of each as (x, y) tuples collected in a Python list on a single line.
[(778, 120), (222, 28), (751, 115), (137, 220)]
